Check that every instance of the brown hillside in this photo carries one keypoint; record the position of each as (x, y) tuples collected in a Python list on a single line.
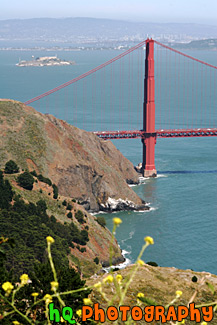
[(78, 162)]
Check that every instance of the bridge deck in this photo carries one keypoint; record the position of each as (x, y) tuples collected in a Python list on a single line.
[(179, 133)]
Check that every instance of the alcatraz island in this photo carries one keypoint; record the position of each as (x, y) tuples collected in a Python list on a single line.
[(44, 61)]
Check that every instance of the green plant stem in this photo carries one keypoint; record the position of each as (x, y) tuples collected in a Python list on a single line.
[(51, 262), (73, 291), (47, 313), (60, 294), (206, 305), (9, 313), (132, 274), (62, 303), (15, 309), (117, 287), (14, 292), (110, 247)]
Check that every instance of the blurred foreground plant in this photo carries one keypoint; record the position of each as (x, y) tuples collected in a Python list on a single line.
[(16, 308), (35, 310)]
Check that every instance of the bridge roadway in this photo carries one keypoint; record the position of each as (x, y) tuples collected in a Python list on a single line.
[(179, 133)]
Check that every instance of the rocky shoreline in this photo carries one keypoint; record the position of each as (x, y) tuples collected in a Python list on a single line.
[(115, 261), (113, 205)]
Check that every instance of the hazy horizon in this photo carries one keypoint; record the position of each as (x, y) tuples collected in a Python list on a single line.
[(116, 19), (168, 11)]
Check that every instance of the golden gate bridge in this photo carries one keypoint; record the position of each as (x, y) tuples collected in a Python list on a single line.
[(188, 95)]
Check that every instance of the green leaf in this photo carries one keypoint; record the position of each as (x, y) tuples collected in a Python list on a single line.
[(148, 301), (211, 287)]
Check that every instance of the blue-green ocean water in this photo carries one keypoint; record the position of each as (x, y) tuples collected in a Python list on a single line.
[(183, 198)]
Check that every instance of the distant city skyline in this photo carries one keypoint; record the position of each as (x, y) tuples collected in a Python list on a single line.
[(185, 11)]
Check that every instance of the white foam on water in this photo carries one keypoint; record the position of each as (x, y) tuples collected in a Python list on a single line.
[(124, 252), (150, 209), (161, 175), (96, 213), (142, 180), (153, 209), (121, 265), (130, 237), (142, 211)]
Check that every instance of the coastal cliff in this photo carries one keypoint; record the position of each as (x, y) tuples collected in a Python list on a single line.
[(83, 166), (90, 174)]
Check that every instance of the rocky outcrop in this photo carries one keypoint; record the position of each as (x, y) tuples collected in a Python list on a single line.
[(82, 166), (118, 205)]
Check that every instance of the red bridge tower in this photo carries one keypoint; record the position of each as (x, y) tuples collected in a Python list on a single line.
[(148, 165)]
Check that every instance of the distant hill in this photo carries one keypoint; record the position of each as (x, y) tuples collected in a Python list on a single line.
[(80, 30), (206, 44)]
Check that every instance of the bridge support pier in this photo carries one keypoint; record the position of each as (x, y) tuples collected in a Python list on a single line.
[(149, 141), (149, 169)]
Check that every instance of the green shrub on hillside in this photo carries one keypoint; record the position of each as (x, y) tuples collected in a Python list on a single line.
[(152, 264), (29, 224), (101, 221), (96, 260), (64, 203), (69, 207), (45, 180), (33, 172), (53, 219), (26, 180), (55, 191), (80, 216), (69, 215), (6, 193), (11, 167), (194, 279)]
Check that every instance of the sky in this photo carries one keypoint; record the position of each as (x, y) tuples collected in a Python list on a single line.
[(162, 11)]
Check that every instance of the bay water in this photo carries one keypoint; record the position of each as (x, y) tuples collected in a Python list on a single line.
[(183, 198)]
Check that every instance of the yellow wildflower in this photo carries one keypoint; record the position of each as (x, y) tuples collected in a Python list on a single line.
[(119, 278), (87, 301), (140, 295), (62, 320), (15, 322), (149, 240), (79, 312), (178, 293), (50, 240), (8, 287), (117, 221), (35, 294), (204, 323), (54, 285), (108, 279), (140, 262), (48, 298), (98, 285), (24, 279)]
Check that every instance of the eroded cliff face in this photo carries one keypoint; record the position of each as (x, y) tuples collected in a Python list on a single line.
[(82, 166)]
